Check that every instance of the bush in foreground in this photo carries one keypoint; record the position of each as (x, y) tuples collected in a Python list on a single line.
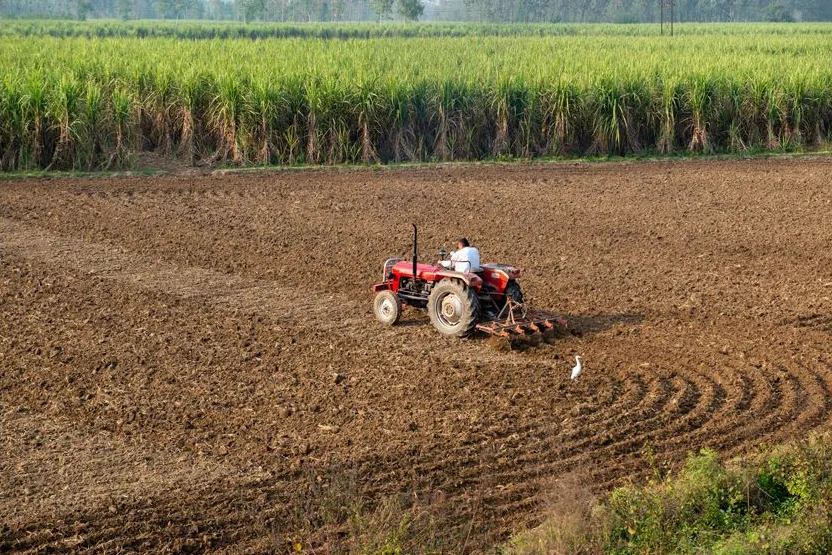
[(778, 501)]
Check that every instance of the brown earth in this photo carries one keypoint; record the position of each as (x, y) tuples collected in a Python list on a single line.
[(170, 345)]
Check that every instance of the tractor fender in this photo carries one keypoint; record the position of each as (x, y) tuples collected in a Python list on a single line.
[(470, 280)]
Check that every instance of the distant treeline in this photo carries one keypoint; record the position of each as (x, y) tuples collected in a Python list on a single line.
[(496, 11)]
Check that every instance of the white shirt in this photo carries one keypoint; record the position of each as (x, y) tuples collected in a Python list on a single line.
[(466, 259)]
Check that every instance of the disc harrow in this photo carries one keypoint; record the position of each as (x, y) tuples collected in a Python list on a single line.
[(517, 325)]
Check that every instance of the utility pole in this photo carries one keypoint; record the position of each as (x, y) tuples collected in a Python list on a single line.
[(663, 4)]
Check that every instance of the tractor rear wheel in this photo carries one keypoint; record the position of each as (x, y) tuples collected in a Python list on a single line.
[(387, 307), (453, 308)]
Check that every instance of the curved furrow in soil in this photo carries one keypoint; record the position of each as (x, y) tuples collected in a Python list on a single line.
[(700, 420), (766, 406), (703, 401), (591, 446), (641, 399), (464, 460), (583, 419), (632, 424), (685, 402), (162, 524), (719, 409), (790, 392), (774, 424), (741, 415), (768, 414), (816, 383), (823, 377), (520, 466), (760, 408), (523, 489), (729, 410)]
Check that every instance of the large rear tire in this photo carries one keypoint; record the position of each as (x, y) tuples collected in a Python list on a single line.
[(453, 308), (387, 307)]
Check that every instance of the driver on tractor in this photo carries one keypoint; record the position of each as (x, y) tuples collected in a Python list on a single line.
[(465, 259)]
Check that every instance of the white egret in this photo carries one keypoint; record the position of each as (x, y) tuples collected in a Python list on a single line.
[(577, 369)]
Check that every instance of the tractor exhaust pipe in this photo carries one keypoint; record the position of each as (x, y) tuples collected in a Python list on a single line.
[(415, 251)]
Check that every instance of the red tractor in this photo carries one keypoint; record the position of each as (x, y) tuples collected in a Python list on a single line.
[(458, 303)]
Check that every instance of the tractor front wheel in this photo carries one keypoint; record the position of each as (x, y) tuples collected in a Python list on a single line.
[(387, 307), (453, 308)]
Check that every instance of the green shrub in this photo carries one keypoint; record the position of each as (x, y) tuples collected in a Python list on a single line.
[(778, 501)]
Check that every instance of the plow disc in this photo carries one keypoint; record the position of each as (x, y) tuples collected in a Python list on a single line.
[(516, 325)]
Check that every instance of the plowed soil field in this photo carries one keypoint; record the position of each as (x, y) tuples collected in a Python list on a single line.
[(191, 362)]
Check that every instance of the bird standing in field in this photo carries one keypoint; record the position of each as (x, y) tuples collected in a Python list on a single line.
[(577, 369)]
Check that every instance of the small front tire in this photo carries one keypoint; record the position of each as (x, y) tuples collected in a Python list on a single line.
[(387, 307)]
